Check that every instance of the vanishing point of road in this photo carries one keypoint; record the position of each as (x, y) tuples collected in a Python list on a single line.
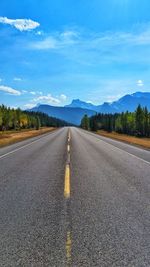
[(73, 198)]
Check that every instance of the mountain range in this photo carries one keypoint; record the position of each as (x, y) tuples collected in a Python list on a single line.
[(74, 112), (68, 114), (127, 102)]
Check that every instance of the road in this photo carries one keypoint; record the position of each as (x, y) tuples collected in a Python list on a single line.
[(73, 198)]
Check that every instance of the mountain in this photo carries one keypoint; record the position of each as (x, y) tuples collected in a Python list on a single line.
[(74, 112), (71, 115), (77, 103), (127, 102), (130, 102)]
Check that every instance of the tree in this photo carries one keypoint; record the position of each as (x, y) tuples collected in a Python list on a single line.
[(132, 123), (93, 123), (18, 119), (1, 118), (38, 123), (118, 125), (146, 122), (85, 122), (139, 120)]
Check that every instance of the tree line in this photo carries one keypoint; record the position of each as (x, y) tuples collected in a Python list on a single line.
[(132, 123), (16, 119)]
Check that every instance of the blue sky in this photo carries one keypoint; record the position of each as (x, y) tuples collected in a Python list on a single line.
[(55, 51)]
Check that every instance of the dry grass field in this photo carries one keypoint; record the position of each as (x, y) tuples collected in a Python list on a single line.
[(10, 137), (144, 142)]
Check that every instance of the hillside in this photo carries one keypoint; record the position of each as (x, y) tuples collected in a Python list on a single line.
[(71, 115), (127, 102)]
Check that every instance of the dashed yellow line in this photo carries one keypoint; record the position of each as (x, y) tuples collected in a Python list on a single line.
[(67, 196), (69, 136), (68, 148), (68, 248), (67, 170), (67, 182)]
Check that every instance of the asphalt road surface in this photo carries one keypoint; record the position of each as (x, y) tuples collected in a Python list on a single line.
[(72, 198)]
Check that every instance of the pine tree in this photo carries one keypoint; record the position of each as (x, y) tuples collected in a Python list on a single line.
[(146, 122), (85, 123), (139, 119), (38, 124)]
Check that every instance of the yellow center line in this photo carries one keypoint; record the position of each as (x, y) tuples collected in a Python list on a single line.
[(69, 136), (67, 182), (68, 248), (67, 196), (68, 148)]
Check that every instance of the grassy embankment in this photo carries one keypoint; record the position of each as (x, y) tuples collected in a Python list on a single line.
[(143, 142), (10, 137)]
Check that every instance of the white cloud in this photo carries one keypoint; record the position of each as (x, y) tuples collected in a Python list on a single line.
[(40, 93), (33, 93), (17, 79), (140, 83), (9, 90), (48, 43), (39, 33), (56, 41), (69, 37), (111, 98), (47, 99), (14, 107), (140, 35), (20, 24), (89, 101), (63, 97), (28, 106), (89, 48)]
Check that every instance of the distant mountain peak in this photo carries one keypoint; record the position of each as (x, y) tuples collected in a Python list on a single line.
[(38, 104), (127, 102), (76, 100), (80, 104), (141, 94), (74, 112)]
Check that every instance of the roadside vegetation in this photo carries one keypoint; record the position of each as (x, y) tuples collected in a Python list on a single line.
[(17, 125), (131, 123), (144, 142), (131, 127), (16, 119), (10, 137)]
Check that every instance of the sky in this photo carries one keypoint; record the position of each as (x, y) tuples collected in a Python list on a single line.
[(54, 51)]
